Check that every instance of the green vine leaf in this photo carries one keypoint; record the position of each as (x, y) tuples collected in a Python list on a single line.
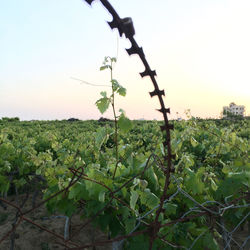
[(170, 208), (194, 143), (130, 224), (121, 91), (104, 67), (118, 88), (148, 198), (193, 182), (102, 196), (100, 137), (133, 199), (115, 84), (103, 103), (124, 123)]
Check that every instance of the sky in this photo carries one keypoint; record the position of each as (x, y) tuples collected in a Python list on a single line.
[(199, 49)]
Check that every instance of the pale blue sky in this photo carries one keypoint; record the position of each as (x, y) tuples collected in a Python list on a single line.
[(200, 50)]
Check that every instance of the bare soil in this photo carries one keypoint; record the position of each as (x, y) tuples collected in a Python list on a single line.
[(30, 237)]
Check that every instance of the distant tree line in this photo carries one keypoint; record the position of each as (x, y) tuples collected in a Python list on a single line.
[(10, 119)]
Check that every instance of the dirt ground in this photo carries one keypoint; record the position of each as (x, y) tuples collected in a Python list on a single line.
[(30, 237)]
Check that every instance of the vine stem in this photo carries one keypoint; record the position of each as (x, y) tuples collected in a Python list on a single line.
[(115, 117)]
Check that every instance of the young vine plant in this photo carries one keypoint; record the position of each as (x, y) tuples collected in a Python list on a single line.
[(121, 122)]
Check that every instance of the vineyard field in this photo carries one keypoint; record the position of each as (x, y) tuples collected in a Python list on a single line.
[(73, 169)]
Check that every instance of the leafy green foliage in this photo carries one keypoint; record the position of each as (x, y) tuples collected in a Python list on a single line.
[(103, 103), (133, 199), (124, 123), (118, 88), (148, 198), (212, 164), (100, 137)]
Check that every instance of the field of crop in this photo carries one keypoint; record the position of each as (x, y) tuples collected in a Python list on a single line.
[(74, 169)]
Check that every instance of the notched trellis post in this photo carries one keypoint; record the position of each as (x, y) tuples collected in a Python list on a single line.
[(125, 26)]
